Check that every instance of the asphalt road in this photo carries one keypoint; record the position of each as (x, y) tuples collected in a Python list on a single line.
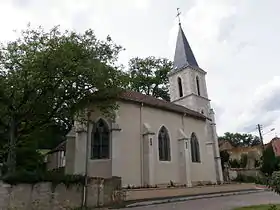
[(218, 203)]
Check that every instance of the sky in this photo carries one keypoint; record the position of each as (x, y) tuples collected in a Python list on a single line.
[(236, 42)]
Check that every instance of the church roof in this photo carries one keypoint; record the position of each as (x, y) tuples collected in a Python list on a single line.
[(183, 53), (159, 103), (60, 147)]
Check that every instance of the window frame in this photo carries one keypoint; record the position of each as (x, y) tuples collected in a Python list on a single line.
[(164, 145), (180, 87), (195, 149), (100, 149)]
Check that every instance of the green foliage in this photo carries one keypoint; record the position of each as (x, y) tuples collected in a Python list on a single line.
[(50, 136), (270, 162), (224, 158), (55, 177), (27, 158), (243, 161), (246, 179), (251, 179), (274, 182), (241, 140), (273, 207), (234, 163), (260, 207), (149, 76), (47, 77), (257, 163)]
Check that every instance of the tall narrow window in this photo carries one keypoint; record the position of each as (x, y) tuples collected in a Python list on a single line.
[(195, 153), (180, 87), (164, 145), (197, 86), (100, 141)]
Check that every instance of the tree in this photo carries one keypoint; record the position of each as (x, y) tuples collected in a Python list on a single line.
[(241, 140), (270, 162), (224, 158), (47, 77), (149, 76)]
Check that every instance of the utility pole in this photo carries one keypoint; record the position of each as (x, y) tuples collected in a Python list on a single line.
[(85, 187), (259, 127)]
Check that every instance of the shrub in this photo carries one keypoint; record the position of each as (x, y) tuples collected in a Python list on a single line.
[(234, 163), (262, 180), (246, 179), (273, 207), (274, 182), (243, 161), (55, 177), (257, 163)]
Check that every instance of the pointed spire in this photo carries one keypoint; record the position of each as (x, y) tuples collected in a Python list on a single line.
[(183, 53)]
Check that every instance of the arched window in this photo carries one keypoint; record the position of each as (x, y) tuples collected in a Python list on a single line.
[(197, 85), (195, 149), (180, 87), (164, 144), (100, 140)]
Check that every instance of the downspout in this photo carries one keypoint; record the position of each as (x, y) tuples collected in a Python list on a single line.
[(141, 146)]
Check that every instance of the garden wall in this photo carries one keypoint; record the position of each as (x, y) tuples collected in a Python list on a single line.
[(244, 172), (45, 196)]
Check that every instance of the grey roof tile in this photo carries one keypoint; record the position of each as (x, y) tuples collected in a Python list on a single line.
[(183, 52)]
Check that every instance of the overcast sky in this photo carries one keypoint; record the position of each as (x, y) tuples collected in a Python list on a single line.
[(236, 42)]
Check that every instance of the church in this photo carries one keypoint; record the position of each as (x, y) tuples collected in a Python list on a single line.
[(152, 141)]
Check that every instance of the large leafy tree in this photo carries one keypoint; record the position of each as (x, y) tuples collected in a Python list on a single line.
[(47, 76), (241, 140), (149, 76), (270, 162)]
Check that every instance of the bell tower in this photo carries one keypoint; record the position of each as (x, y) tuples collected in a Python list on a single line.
[(188, 88), (187, 80)]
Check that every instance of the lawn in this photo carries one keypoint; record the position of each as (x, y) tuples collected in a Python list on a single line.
[(260, 207)]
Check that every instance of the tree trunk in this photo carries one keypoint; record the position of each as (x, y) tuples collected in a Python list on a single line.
[(12, 147)]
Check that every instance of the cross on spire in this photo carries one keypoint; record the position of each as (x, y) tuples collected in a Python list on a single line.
[(178, 15)]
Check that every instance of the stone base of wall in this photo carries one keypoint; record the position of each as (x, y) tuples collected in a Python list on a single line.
[(45, 196), (233, 173)]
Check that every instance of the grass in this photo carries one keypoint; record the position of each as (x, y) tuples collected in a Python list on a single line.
[(260, 207)]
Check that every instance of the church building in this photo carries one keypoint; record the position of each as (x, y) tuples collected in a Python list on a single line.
[(152, 141)]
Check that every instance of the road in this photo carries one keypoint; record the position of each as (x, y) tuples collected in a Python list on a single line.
[(218, 203)]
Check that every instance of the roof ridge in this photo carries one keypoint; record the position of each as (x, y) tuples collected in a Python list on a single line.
[(156, 102)]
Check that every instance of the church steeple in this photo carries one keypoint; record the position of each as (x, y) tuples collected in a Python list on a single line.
[(183, 52)]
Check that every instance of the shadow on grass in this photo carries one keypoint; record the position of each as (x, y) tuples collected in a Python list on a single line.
[(260, 207)]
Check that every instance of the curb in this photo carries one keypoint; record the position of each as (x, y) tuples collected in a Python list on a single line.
[(186, 198), (261, 187)]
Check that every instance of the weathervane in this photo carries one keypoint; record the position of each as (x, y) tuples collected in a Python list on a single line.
[(178, 15)]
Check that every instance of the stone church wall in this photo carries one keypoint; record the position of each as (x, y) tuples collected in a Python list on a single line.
[(44, 196)]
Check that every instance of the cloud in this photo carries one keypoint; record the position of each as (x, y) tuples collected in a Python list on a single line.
[(227, 25), (264, 108), (219, 110), (236, 42)]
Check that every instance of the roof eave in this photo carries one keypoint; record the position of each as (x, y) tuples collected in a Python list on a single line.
[(177, 70), (167, 109)]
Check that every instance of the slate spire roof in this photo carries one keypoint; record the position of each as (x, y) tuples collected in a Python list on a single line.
[(183, 52)]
